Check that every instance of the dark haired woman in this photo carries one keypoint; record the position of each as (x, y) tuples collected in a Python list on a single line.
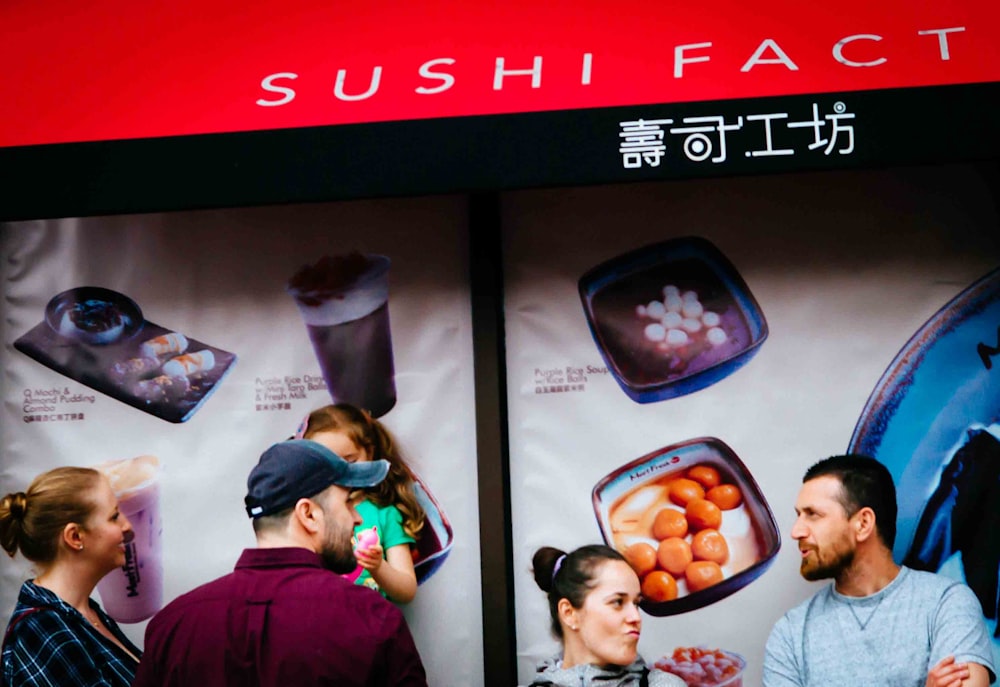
[(68, 524), (593, 600)]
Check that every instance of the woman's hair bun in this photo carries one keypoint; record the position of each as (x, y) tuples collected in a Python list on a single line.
[(17, 503), (543, 565)]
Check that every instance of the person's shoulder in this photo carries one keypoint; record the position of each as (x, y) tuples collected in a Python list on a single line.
[(199, 596), (796, 615), (44, 631), (367, 601), (931, 584)]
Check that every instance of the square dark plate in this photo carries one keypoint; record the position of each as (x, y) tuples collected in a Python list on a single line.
[(717, 324)]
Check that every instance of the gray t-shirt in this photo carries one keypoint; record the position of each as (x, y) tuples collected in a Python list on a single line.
[(889, 639)]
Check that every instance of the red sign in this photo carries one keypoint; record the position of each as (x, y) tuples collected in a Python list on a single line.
[(110, 69)]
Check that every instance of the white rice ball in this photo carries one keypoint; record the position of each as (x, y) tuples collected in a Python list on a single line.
[(677, 337), (672, 320), (691, 325), (655, 332), (711, 319), (716, 336), (655, 309), (692, 308)]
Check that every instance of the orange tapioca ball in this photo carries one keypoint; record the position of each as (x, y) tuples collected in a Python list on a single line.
[(674, 555), (642, 557), (725, 496), (684, 490), (702, 514), (670, 523), (659, 586), (705, 475), (710, 545), (702, 574)]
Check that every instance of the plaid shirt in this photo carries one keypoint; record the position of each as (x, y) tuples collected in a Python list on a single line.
[(56, 646)]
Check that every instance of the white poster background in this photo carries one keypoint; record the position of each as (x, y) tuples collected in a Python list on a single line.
[(846, 266), (219, 276)]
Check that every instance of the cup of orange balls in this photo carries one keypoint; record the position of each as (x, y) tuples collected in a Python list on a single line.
[(692, 522), (702, 667)]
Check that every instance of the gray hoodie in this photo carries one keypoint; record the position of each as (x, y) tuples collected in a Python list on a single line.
[(551, 674)]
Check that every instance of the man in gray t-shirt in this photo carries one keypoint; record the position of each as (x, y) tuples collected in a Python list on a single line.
[(878, 624)]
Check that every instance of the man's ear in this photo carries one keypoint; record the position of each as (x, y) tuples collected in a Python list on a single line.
[(864, 524), (307, 513)]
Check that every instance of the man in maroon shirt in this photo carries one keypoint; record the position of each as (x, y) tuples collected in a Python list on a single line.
[(284, 617)]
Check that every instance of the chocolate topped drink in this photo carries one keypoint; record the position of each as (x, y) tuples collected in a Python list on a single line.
[(344, 301)]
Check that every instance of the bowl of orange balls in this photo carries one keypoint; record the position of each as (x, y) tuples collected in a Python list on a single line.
[(692, 522)]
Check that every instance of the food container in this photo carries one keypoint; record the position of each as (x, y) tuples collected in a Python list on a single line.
[(93, 315), (435, 539), (671, 318), (702, 667), (628, 501)]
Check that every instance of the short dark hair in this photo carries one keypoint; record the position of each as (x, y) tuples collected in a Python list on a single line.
[(866, 483), (569, 576)]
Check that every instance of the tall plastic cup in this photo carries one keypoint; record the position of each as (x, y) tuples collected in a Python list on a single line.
[(344, 301), (134, 591)]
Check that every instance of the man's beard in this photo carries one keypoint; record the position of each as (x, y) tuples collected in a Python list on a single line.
[(337, 552), (841, 559)]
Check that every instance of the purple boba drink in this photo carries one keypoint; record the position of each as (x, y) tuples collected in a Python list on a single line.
[(344, 301), (134, 592)]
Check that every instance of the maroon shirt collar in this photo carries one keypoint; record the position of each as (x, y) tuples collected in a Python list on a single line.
[(284, 557)]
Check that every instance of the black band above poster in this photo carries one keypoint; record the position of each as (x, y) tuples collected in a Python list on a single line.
[(861, 129)]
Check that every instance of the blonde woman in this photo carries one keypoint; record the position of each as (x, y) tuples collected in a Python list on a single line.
[(68, 524)]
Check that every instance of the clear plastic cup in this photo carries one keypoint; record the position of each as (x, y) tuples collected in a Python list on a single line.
[(134, 592), (344, 301)]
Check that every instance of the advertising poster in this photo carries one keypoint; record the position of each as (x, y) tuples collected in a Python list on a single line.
[(711, 340), (172, 349)]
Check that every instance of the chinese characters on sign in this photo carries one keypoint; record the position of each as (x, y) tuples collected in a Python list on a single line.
[(643, 141), (272, 406), (55, 417), (558, 388)]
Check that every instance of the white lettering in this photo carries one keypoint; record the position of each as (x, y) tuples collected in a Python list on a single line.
[(588, 63), (535, 71), (942, 35), (781, 57), (447, 79), (267, 83), (680, 60), (338, 87), (838, 50)]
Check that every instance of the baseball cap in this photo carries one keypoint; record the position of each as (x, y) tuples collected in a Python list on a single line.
[(300, 468)]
